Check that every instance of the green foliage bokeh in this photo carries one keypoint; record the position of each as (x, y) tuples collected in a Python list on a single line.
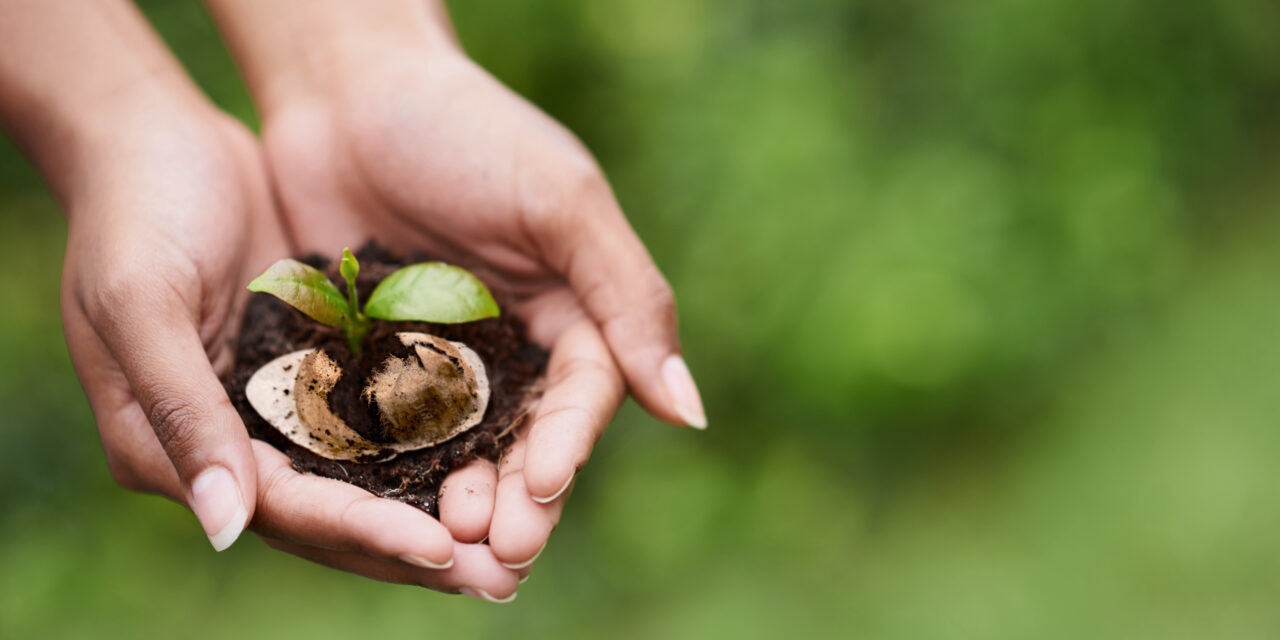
[(981, 296)]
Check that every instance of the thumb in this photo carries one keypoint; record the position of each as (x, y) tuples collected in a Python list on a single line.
[(623, 291), (160, 352)]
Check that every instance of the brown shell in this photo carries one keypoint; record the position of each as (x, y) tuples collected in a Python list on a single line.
[(437, 391)]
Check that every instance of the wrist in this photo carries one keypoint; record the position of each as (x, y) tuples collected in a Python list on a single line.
[(81, 74), (127, 129), (292, 56)]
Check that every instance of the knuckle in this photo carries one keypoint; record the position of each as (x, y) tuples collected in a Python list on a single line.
[(560, 199), (352, 524), (585, 183), (272, 509), (652, 307), (114, 290), (582, 367), (110, 295), (273, 487), (176, 422), (541, 204), (598, 293), (658, 295)]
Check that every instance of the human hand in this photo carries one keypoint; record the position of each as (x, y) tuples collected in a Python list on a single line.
[(170, 219), (170, 214), (421, 149)]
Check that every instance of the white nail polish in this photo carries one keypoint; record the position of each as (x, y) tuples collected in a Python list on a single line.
[(526, 563), (419, 561), (556, 494), (683, 392), (482, 595)]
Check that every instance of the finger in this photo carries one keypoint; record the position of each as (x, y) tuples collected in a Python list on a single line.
[(622, 289), (335, 515), (520, 525), (152, 335), (583, 394), (134, 456), (476, 573), (466, 500)]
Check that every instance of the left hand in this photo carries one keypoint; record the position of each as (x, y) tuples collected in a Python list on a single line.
[(172, 217)]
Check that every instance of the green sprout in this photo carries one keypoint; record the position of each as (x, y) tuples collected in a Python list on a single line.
[(423, 292)]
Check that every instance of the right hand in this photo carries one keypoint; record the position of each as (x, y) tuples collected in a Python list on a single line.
[(170, 216), (422, 149)]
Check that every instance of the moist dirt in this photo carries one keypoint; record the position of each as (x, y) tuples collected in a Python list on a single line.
[(514, 365)]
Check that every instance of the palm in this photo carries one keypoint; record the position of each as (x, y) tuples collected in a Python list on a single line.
[(438, 156)]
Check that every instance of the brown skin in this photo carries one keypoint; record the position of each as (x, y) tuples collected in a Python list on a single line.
[(170, 213), (376, 125), (508, 223), (135, 336)]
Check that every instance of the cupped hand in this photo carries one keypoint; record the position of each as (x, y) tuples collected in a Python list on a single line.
[(430, 152), (170, 216)]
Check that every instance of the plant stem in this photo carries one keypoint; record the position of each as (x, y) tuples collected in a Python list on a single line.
[(356, 330), (357, 326)]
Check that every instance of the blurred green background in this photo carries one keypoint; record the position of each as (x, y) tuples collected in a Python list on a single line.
[(982, 297)]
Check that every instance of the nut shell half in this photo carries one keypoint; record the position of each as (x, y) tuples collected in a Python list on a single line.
[(436, 391)]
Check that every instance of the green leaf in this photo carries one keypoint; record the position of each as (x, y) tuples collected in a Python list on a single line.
[(431, 292), (304, 287)]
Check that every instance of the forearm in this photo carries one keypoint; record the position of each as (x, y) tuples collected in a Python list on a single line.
[(289, 50), (74, 71)]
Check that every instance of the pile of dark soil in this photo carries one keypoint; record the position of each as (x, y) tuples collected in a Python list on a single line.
[(515, 366)]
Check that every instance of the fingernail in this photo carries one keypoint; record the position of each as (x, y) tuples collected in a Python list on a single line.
[(419, 561), (683, 392), (525, 578), (528, 562), (481, 595), (215, 498), (556, 494)]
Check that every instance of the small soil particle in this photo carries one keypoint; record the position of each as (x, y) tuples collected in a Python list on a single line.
[(515, 366)]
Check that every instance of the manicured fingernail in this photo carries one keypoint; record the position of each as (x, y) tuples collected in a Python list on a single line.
[(419, 561), (683, 392), (215, 498), (481, 595), (525, 578), (526, 563), (555, 495)]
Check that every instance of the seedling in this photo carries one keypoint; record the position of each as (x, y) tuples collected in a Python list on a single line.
[(424, 292), (416, 403)]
